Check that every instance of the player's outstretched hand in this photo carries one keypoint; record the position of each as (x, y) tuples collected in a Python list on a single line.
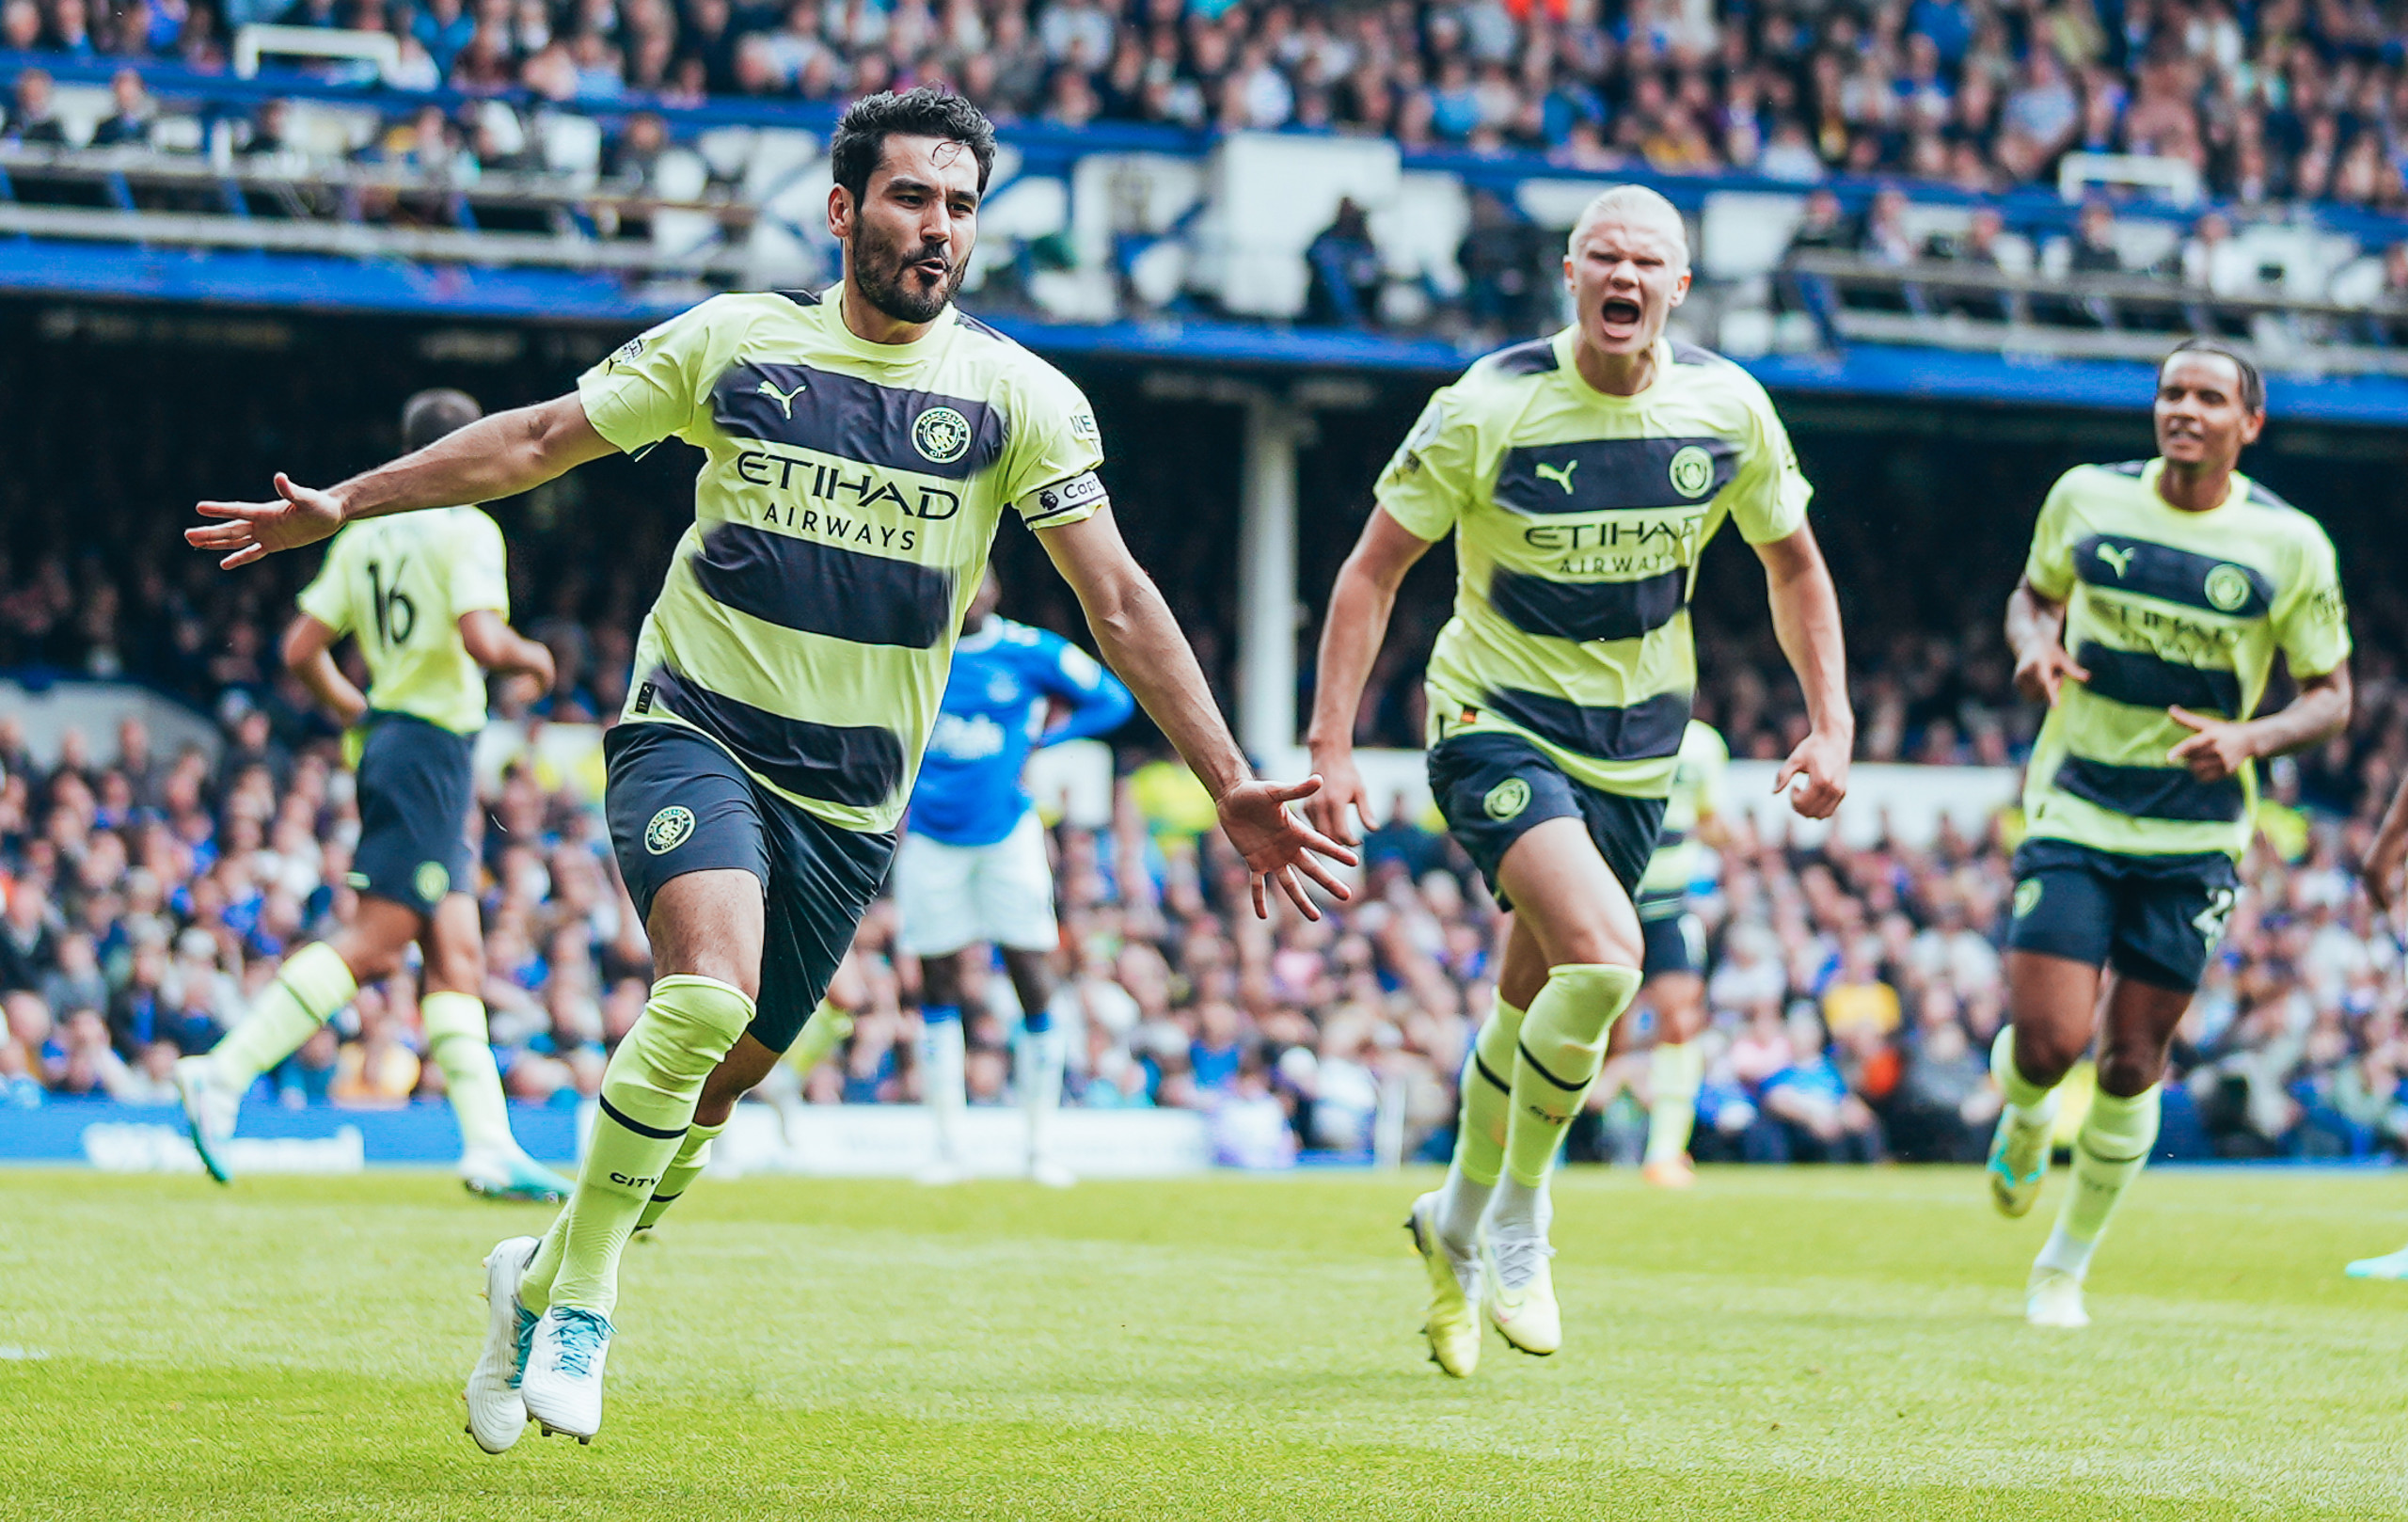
[(1820, 762), (1278, 846), (2041, 670), (1341, 791), (2219, 748), (254, 530)]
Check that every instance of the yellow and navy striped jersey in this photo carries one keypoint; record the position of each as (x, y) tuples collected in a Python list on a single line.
[(1578, 518), (1698, 773), (848, 494), (2166, 606), (399, 585)]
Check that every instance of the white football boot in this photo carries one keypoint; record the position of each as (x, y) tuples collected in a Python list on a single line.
[(562, 1385), (209, 1111), (2391, 1266), (1518, 1289), (1451, 1327), (497, 1416), (2053, 1298)]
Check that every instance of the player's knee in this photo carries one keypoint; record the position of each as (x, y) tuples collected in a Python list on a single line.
[(456, 970), (370, 960), (1595, 944), (2124, 1072), (2044, 1057)]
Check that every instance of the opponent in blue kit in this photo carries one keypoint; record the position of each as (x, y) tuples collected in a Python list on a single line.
[(971, 865)]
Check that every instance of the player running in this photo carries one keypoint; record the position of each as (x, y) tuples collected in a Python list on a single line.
[(972, 867), (2154, 601), (428, 602), (1674, 943), (858, 449), (1581, 476)]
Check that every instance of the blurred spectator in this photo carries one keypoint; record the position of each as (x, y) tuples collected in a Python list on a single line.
[(1344, 270), (29, 120), (129, 124)]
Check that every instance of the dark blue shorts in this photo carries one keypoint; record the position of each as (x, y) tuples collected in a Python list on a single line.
[(1493, 788), (1674, 943), (416, 788), (677, 803), (2153, 919)]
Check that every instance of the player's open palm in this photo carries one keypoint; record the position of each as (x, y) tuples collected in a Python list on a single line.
[(248, 532), (1278, 846)]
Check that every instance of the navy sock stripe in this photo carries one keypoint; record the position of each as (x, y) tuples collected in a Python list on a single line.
[(1500, 1085), (2097, 1157), (665, 1199), (1539, 1068), (637, 1126)]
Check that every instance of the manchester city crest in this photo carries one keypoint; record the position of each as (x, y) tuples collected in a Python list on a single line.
[(668, 829), (2227, 587), (941, 434), (1692, 471), (1507, 800)]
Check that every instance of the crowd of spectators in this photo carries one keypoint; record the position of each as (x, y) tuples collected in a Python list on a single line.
[(2270, 100), (1854, 991)]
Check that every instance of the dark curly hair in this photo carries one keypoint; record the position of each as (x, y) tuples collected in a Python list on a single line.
[(860, 136)]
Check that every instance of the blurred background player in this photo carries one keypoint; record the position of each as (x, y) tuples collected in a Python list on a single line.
[(1673, 942), (427, 601), (2379, 874), (1581, 476), (2151, 607), (971, 865)]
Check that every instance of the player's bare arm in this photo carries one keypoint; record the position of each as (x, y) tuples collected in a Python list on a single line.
[(2389, 855), (1141, 642), (491, 458), (2218, 748), (2035, 631), (1359, 606), (494, 644), (1806, 619), (309, 654)]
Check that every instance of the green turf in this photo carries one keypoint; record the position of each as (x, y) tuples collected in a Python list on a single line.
[(1807, 1343)]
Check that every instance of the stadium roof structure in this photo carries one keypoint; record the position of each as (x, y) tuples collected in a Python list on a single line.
[(204, 227)]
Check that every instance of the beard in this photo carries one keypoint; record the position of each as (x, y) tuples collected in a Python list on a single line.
[(881, 269)]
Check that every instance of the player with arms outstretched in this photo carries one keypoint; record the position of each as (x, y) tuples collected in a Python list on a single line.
[(427, 601), (2155, 599), (972, 867), (1581, 476), (860, 447)]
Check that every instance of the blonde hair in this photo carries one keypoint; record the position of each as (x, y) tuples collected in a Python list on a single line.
[(1637, 201)]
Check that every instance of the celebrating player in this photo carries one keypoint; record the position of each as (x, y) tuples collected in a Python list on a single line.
[(1581, 476), (2155, 597), (1674, 943), (428, 603), (972, 867), (858, 449)]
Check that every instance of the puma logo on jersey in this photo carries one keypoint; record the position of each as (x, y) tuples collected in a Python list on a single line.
[(2121, 557), (784, 399), (1560, 474)]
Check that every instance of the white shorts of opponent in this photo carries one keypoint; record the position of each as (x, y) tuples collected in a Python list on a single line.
[(951, 896)]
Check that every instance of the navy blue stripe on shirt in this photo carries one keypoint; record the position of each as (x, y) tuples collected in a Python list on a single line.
[(860, 765), (1584, 610), (2151, 792), (1613, 475), (952, 437), (2144, 681), (1646, 730), (824, 589), (2114, 564)]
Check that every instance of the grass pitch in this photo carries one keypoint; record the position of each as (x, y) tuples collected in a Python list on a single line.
[(1776, 1343)]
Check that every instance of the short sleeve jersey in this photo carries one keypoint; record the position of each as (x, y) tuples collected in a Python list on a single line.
[(1578, 519), (1006, 678), (2168, 607), (848, 494), (398, 586), (1699, 770)]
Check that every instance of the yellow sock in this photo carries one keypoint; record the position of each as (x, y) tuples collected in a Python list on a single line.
[(311, 985), (1674, 1074), (1563, 1046), (648, 1097)]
